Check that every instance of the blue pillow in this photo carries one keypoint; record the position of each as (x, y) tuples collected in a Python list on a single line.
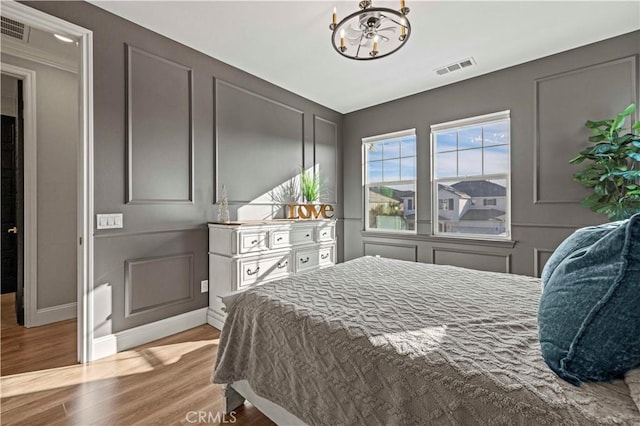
[(589, 313), (580, 239)]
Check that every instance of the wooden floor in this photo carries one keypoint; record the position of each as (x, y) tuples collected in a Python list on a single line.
[(161, 383)]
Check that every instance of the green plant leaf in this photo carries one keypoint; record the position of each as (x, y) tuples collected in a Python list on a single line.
[(634, 155), (628, 110), (594, 124)]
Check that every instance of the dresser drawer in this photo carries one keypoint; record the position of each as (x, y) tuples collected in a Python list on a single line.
[(306, 260), (302, 236), (252, 271), (279, 238), (252, 241), (325, 232), (326, 256)]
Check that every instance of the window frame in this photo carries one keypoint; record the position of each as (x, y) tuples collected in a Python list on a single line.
[(366, 185), (476, 121)]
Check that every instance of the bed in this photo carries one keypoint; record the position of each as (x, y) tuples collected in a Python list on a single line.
[(376, 341)]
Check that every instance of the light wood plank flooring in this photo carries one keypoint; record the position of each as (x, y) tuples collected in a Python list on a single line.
[(161, 383)]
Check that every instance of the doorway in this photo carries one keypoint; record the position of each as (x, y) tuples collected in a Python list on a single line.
[(12, 219), (83, 193)]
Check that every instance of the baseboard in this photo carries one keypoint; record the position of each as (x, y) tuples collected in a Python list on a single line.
[(213, 319), (127, 339), (46, 316)]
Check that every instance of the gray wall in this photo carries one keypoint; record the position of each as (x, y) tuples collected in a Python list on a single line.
[(163, 181), (550, 99), (57, 141), (9, 94)]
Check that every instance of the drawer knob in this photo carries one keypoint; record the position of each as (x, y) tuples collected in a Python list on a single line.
[(304, 260), (254, 272), (279, 239), (324, 256), (324, 234), (283, 264), (254, 241), (308, 235)]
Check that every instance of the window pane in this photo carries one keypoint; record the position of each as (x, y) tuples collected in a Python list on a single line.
[(408, 147), (479, 207), (374, 171), (392, 207), (496, 160), (446, 164), (408, 168), (470, 137), (374, 151), (391, 170), (446, 141), (496, 133), (391, 149), (470, 162)]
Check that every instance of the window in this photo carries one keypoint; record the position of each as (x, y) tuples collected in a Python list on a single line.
[(446, 203), (389, 170), (471, 176)]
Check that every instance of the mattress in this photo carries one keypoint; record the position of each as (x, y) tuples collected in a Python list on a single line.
[(377, 341)]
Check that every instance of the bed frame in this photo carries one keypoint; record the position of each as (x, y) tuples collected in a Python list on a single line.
[(236, 393)]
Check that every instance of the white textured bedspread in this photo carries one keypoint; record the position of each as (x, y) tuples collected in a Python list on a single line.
[(384, 342)]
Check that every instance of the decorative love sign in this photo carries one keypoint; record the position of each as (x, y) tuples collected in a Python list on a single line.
[(310, 211)]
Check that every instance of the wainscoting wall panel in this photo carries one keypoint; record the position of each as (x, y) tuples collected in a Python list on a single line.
[(540, 258), (154, 283), (472, 259), (562, 104), (159, 129), (163, 282), (391, 251), (325, 154), (260, 136)]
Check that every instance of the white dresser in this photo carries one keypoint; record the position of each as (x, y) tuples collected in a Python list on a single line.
[(251, 253)]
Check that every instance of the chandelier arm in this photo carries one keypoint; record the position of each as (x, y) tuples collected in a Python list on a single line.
[(359, 45), (394, 21)]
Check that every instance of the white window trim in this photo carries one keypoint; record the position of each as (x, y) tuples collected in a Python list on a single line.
[(457, 124), (365, 184), (472, 121)]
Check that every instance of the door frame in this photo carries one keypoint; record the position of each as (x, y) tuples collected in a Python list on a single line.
[(46, 22), (30, 191)]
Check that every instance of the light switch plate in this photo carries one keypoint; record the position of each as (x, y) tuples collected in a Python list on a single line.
[(109, 221), (204, 286)]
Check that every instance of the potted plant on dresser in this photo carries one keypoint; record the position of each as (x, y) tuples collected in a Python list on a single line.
[(310, 185)]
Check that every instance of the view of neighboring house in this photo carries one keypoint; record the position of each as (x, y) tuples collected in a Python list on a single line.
[(391, 208), (472, 207)]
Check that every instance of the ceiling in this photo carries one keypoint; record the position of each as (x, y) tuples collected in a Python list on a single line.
[(288, 43)]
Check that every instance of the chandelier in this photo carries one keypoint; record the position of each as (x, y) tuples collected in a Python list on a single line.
[(371, 32)]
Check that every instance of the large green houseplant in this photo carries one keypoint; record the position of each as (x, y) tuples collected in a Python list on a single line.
[(614, 169)]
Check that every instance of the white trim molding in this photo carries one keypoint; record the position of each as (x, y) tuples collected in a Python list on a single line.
[(30, 53), (30, 231), (127, 339), (472, 121), (37, 19)]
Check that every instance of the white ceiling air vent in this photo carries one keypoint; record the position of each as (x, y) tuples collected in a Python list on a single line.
[(455, 66), (15, 29)]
